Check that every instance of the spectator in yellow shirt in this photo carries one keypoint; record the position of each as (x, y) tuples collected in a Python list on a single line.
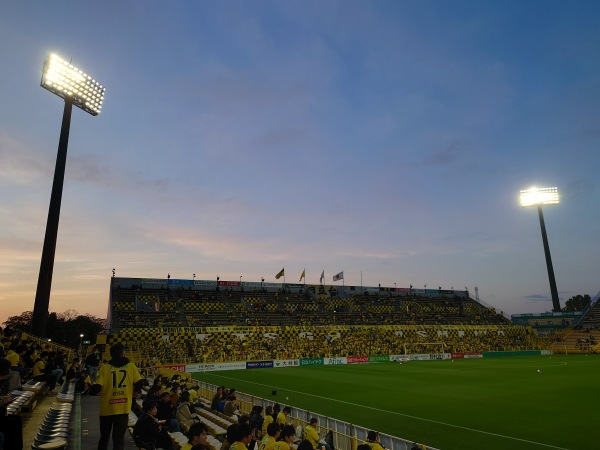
[(196, 436), (282, 416), (269, 441), (287, 436), (311, 434), (373, 440)]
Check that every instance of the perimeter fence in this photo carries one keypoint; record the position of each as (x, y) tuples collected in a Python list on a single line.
[(346, 436)]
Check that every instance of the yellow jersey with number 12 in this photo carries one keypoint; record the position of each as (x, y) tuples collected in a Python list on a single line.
[(117, 388)]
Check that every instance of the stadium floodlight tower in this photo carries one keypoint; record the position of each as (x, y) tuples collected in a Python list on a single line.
[(81, 90), (539, 197)]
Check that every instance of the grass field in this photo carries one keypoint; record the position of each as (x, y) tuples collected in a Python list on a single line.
[(495, 403)]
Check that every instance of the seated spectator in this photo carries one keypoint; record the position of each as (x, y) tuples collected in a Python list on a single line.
[(268, 419), (256, 419), (196, 437), (73, 370), (166, 412), (373, 440), (245, 419), (312, 435), (193, 391), (9, 379), (287, 436), (149, 432), (282, 416), (52, 368), (214, 404), (305, 445), (270, 439), (135, 406), (17, 363), (230, 407), (39, 372), (175, 392), (230, 437), (242, 436), (184, 414)]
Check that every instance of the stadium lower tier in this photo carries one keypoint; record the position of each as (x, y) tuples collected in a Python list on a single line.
[(224, 344)]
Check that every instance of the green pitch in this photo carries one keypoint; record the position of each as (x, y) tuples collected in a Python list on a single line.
[(491, 403)]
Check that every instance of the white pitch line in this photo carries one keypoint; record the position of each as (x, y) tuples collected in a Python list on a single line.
[(396, 413)]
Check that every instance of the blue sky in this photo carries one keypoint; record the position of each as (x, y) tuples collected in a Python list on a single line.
[(388, 138)]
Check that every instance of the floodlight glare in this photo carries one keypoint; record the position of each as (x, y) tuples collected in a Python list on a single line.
[(539, 196), (70, 83), (81, 90)]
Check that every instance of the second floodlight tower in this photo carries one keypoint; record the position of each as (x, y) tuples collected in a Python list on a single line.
[(539, 197), (81, 90)]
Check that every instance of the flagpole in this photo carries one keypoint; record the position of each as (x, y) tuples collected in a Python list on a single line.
[(362, 291)]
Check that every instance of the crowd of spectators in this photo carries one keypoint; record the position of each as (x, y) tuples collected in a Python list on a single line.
[(264, 343), (22, 359), (181, 307)]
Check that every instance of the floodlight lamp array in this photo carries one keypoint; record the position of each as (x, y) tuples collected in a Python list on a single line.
[(539, 196), (70, 83)]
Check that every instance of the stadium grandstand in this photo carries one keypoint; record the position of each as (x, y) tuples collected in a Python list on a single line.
[(171, 321)]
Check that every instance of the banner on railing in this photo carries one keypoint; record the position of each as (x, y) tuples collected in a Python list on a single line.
[(193, 368), (335, 361), (259, 364), (312, 362), (286, 363)]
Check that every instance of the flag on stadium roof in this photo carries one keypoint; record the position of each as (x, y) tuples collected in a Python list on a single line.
[(322, 276), (280, 274), (303, 275), (339, 276)]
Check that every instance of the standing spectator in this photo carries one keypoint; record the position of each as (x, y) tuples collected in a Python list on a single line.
[(115, 384), (93, 362)]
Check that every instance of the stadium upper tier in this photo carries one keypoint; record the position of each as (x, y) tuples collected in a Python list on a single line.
[(161, 303)]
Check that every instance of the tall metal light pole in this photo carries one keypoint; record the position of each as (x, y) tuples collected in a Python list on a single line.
[(81, 90), (537, 197)]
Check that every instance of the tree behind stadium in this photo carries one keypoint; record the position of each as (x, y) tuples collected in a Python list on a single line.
[(63, 328)]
